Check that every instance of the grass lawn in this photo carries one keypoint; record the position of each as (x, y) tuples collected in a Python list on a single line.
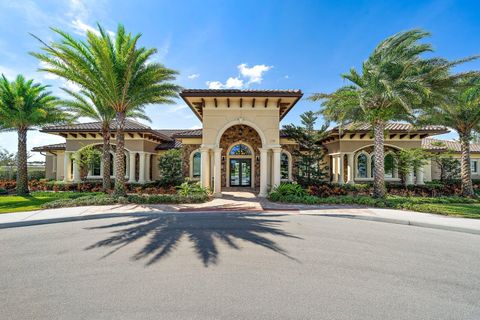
[(35, 200), (463, 210)]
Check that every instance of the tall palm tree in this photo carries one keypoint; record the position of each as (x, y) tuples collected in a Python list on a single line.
[(460, 110), (115, 70), (25, 105), (395, 80), (84, 104)]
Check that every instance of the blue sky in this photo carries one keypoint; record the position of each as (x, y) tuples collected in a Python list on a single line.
[(248, 44)]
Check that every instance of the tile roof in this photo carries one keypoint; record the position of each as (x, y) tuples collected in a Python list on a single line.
[(192, 133), (390, 126), (446, 145), (240, 92), (175, 144), (57, 146)]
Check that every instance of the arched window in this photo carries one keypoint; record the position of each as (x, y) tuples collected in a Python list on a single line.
[(96, 166), (240, 150), (196, 164), (284, 166), (389, 165), (362, 163)]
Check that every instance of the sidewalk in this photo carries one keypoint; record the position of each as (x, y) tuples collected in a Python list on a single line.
[(242, 202)]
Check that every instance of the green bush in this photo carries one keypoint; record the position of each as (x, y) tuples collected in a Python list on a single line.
[(170, 167), (289, 189), (188, 189), (90, 200), (167, 198), (3, 191)]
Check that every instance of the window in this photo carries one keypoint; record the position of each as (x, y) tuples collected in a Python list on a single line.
[(96, 166), (284, 166), (473, 166), (240, 150), (372, 165), (111, 164), (196, 164), (362, 166), (389, 166)]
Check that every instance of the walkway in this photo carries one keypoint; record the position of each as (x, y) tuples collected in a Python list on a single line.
[(243, 201)]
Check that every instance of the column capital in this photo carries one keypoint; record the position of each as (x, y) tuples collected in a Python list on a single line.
[(204, 149), (263, 149), (277, 149), (217, 150)]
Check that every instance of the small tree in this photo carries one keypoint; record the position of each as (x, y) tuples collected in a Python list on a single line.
[(410, 160), (170, 167), (8, 161), (86, 157), (311, 168)]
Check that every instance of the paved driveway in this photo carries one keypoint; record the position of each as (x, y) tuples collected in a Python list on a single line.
[(237, 266)]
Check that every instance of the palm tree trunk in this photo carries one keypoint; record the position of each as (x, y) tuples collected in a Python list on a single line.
[(120, 189), (22, 170), (378, 151), (467, 187), (107, 183)]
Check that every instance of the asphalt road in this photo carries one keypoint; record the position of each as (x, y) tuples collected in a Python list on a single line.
[(234, 266)]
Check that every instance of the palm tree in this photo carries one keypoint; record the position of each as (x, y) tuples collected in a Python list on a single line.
[(84, 104), (25, 105), (116, 71), (459, 110), (395, 80)]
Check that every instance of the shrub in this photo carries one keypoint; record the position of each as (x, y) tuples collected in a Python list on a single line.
[(3, 191), (289, 189), (36, 175), (187, 189), (90, 200), (170, 167), (166, 198)]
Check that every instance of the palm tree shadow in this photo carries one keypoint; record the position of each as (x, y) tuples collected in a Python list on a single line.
[(164, 232)]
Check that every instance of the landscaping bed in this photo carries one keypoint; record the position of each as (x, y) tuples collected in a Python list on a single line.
[(444, 205)]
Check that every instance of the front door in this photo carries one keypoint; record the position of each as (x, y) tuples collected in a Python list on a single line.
[(240, 172)]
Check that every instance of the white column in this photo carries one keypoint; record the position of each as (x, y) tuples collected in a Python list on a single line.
[(263, 172), (76, 171), (334, 169), (131, 171), (350, 165), (419, 174), (66, 166), (276, 166), (217, 172), (141, 171), (340, 169), (205, 161), (409, 178), (147, 167)]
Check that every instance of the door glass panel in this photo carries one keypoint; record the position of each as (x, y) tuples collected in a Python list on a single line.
[(234, 172), (245, 173)]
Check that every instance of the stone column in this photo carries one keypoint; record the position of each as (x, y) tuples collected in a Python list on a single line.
[(276, 179), (263, 172), (147, 167), (217, 172), (205, 162), (334, 169), (419, 174), (76, 171), (409, 178), (131, 171), (341, 180), (350, 167), (66, 166), (141, 171)]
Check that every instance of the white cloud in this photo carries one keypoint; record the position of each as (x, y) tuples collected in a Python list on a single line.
[(195, 127), (253, 74), (47, 75), (82, 28), (7, 72), (246, 77), (193, 76), (286, 76), (231, 83), (173, 109), (72, 86)]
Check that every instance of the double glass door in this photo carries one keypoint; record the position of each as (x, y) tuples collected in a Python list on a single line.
[(240, 172)]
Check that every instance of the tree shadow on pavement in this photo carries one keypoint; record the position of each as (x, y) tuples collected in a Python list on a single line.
[(164, 232)]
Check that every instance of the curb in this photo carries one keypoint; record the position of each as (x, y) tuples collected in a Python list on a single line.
[(29, 223), (408, 223)]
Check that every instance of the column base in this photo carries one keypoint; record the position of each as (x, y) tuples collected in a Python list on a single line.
[(218, 194)]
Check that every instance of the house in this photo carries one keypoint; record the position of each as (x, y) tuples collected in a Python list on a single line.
[(241, 144)]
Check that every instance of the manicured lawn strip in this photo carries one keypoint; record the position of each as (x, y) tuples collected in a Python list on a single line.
[(35, 200), (450, 206)]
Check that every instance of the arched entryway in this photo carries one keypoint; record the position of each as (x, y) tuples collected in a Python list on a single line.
[(240, 146)]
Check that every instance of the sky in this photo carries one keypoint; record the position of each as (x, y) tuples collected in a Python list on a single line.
[(249, 44)]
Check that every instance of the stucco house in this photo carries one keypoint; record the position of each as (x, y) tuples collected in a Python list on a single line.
[(240, 144)]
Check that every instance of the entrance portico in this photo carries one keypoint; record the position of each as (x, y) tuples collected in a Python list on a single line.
[(247, 122)]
